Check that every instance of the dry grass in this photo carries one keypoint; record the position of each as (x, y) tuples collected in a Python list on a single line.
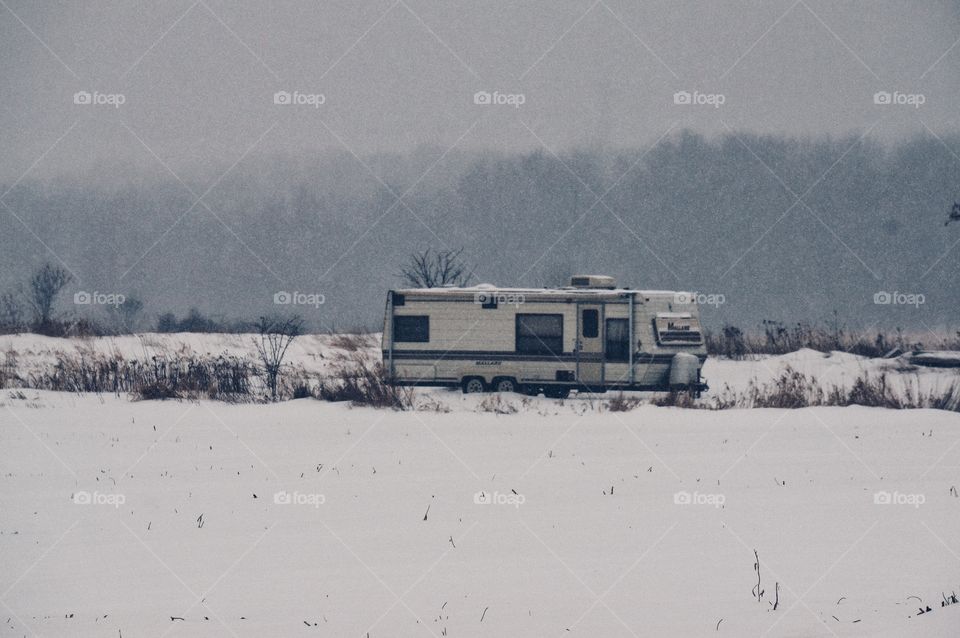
[(775, 338), (160, 377), (793, 389), (364, 383), (623, 403), (353, 342), (432, 405), (677, 400), (495, 403), (361, 380)]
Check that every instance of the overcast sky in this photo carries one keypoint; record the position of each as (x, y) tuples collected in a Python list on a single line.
[(197, 79)]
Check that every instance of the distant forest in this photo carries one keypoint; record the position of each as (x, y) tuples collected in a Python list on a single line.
[(720, 216)]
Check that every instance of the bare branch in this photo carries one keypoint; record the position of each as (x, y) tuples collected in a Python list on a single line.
[(276, 334), (428, 269)]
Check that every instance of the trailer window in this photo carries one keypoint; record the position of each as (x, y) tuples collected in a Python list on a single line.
[(411, 329), (591, 323), (539, 334), (617, 344)]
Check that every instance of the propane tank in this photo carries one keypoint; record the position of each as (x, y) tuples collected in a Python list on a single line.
[(683, 370)]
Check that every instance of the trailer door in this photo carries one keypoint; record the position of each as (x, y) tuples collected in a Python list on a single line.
[(590, 344)]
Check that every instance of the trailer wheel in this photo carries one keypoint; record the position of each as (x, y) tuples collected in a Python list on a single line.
[(505, 384), (472, 385)]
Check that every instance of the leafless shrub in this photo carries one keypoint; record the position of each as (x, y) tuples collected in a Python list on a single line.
[(948, 399), (364, 383), (224, 377), (301, 392), (495, 403), (296, 384), (623, 403), (729, 342), (677, 400), (792, 389), (276, 335), (876, 392), (156, 391), (432, 405)]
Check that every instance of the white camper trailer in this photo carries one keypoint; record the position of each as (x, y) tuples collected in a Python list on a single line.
[(589, 336)]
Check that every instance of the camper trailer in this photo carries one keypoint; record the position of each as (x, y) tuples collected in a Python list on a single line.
[(589, 336)]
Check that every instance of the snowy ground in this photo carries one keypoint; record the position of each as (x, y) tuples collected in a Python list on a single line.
[(118, 516)]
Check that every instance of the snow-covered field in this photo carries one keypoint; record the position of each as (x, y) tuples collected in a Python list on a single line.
[(122, 518)]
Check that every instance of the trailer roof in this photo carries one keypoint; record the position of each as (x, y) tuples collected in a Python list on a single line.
[(564, 291)]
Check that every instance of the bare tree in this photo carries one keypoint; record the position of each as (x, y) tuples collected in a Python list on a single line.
[(427, 269), (275, 336), (126, 316), (45, 286), (11, 312), (130, 311)]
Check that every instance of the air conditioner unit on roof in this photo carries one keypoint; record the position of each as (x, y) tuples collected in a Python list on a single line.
[(592, 281)]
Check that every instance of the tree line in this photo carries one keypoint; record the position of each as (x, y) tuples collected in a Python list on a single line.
[(716, 215)]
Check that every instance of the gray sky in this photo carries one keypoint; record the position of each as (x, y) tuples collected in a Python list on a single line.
[(198, 78)]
